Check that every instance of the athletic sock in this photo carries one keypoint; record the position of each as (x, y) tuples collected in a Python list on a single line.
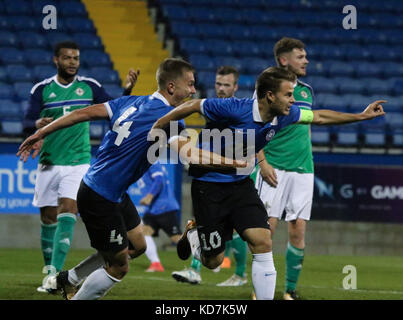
[(264, 276), (240, 250), (63, 237), (96, 285), (151, 251), (228, 247), (85, 268), (193, 238), (47, 237), (294, 258), (195, 265)]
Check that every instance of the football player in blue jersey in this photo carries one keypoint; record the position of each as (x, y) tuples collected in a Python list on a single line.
[(109, 215), (161, 213), (224, 201)]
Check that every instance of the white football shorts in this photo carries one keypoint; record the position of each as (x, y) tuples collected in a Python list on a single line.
[(293, 194), (55, 182)]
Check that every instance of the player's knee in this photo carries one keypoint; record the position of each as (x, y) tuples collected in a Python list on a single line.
[(211, 263), (261, 245)]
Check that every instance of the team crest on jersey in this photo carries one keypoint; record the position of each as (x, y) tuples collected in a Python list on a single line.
[(79, 91), (304, 94), (270, 134)]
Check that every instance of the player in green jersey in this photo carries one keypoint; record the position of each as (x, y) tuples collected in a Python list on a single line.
[(284, 176), (65, 155), (226, 84)]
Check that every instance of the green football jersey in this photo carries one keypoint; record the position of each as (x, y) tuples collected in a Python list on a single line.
[(49, 98), (291, 148)]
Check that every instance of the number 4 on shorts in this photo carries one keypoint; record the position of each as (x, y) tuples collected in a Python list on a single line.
[(115, 238)]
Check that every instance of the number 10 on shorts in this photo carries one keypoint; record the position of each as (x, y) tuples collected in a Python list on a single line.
[(214, 241)]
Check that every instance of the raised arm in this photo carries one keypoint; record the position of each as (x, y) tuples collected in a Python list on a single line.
[(180, 112), (94, 112), (329, 117)]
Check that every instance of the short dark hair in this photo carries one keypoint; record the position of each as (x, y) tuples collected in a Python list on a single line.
[(225, 70), (64, 45), (285, 45), (270, 80), (171, 69)]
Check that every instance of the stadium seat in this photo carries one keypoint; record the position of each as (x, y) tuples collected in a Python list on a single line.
[(43, 72), (26, 23), (38, 5), (23, 90), (338, 68), (11, 56), (19, 73), (246, 82), (202, 62), (397, 137), (332, 101), (105, 75), (394, 119), (228, 61), (205, 79), (378, 86), (192, 46), (72, 8), (95, 58), (18, 7), (219, 47), (175, 13), (347, 135), (32, 40), (183, 29), (78, 24), (54, 37), (88, 41), (247, 48), (39, 56), (8, 39), (6, 91), (254, 65), (348, 85), (367, 69), (392, 69), (10, 110), (114, 90), (244, 94), (11, 128), (323, 85), (320, 135), (96, 130), (201, 14), (374, 137)]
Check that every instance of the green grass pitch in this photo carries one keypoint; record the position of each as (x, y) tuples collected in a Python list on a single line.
[(378, 278)]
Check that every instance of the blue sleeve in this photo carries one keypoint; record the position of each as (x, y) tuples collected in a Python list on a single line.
[(291, 118), (34, 110), (221, 110), (156, 174)]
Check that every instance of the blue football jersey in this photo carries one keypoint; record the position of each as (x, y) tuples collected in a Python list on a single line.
[(121, 158), (156, 182), (238, 116)]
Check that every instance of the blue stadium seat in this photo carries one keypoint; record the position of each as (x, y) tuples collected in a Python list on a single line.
[(397, 85), (175, 13), (201, 14), (218, 47), (377, 86), (244, 94), (316, 68), (39, 56), (383, 53), (192, 46), (32, 40), (114, 90), (11, 56), (205, 79), (394, 119), (88, 41), (19, 73), (332, 101), (6, 91), (265, 33), (8, 39), (11, 128), (374, 137), (3, 74), (25, 23), (105, 75), (247, 48), (392, 69), (210, 31), (237, 32), (95, 58), (202, 62), (367, 69), (397, 137), (254, 65), (347, 135), (10, 110), (348, 85), (23, 90), (338, 68), (42, 72), (190, 30), (320, 135), (72, 8), (332, 52), (323, 85), (38, 6), (210, 93), (54, 37), (228, 61), (74, 24), (18, 7), (355, 52), (246, 82), (229, 15)]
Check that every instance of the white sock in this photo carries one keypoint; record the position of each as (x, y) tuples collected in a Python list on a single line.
[(151, 251), (264, 275), (85, 268), (96, 285), (193, 238)]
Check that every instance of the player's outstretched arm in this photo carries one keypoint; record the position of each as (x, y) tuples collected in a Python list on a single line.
[(192, 155), (329, 117), (94, 112), (180, 112)]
